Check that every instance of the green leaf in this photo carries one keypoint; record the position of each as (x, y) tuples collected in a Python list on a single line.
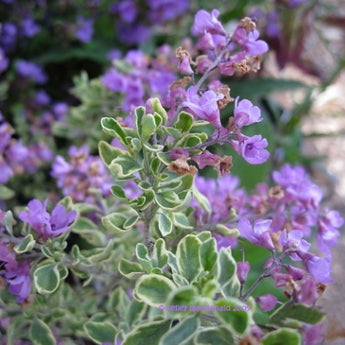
[(183, 296), (188, 257), (109, 152), (168, 201), (135, 312), (40, 333), (180, 220), (282, 336), (26, 245), (8, 222), (237, 321), (149, 127), (119, 192), (208, 254), (6, 193), (159, 255), (227, 276), (183, 331), (184, 122), (154, 289), (201, 200), (115, 222), (139, 113), (131, 270), (124, 167), (165, 224), (100, 332), (113, 128), (158, 109), (215, 336), (296, 311), (150, 333), (47, 278), (143, 257)]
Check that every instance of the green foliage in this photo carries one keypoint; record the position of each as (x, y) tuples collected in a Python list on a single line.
[(283, 336), (40, 333)]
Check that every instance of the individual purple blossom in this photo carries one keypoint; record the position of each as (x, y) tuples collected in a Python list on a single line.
[(8, 36), (84, 30), (29, 27), (16, 273), (256, 233), (252, 149), (3, 61), (134, 33), (205, 158), (308, 293), (127, 10), (60, 110), (47, 225), (313, 334), (31, 70), (248, 41), (207, 22), (164, 10), (243, 268), (293, 241), (42, 98), (204, 106), (266, 302), (114, 80), (319, 268), (245, 113), (327, 231)]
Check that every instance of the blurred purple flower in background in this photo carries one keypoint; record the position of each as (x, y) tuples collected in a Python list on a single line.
[(84, 29), (31, 70)]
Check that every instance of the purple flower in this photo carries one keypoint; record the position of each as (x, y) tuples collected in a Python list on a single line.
[(31, 70), (163, 10), (84, 31), (205, 158), (206, 22), (43, 223), (8, 35), (29, 27), (313, 334), (127, 10), (266, 302), (249, 42), (134, 33), (252, 149), (327, 232), (319, 268), (243, 269), (42, 98), (205, 107), (17, 274), (114, 80), (245, 113), (257, 233), (3, 61)]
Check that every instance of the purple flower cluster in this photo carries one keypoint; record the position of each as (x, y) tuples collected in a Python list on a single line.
[(278, 218), (44, 224), (143, 78), (15, 158), (239, 52), (83, 173), (135, 21)]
